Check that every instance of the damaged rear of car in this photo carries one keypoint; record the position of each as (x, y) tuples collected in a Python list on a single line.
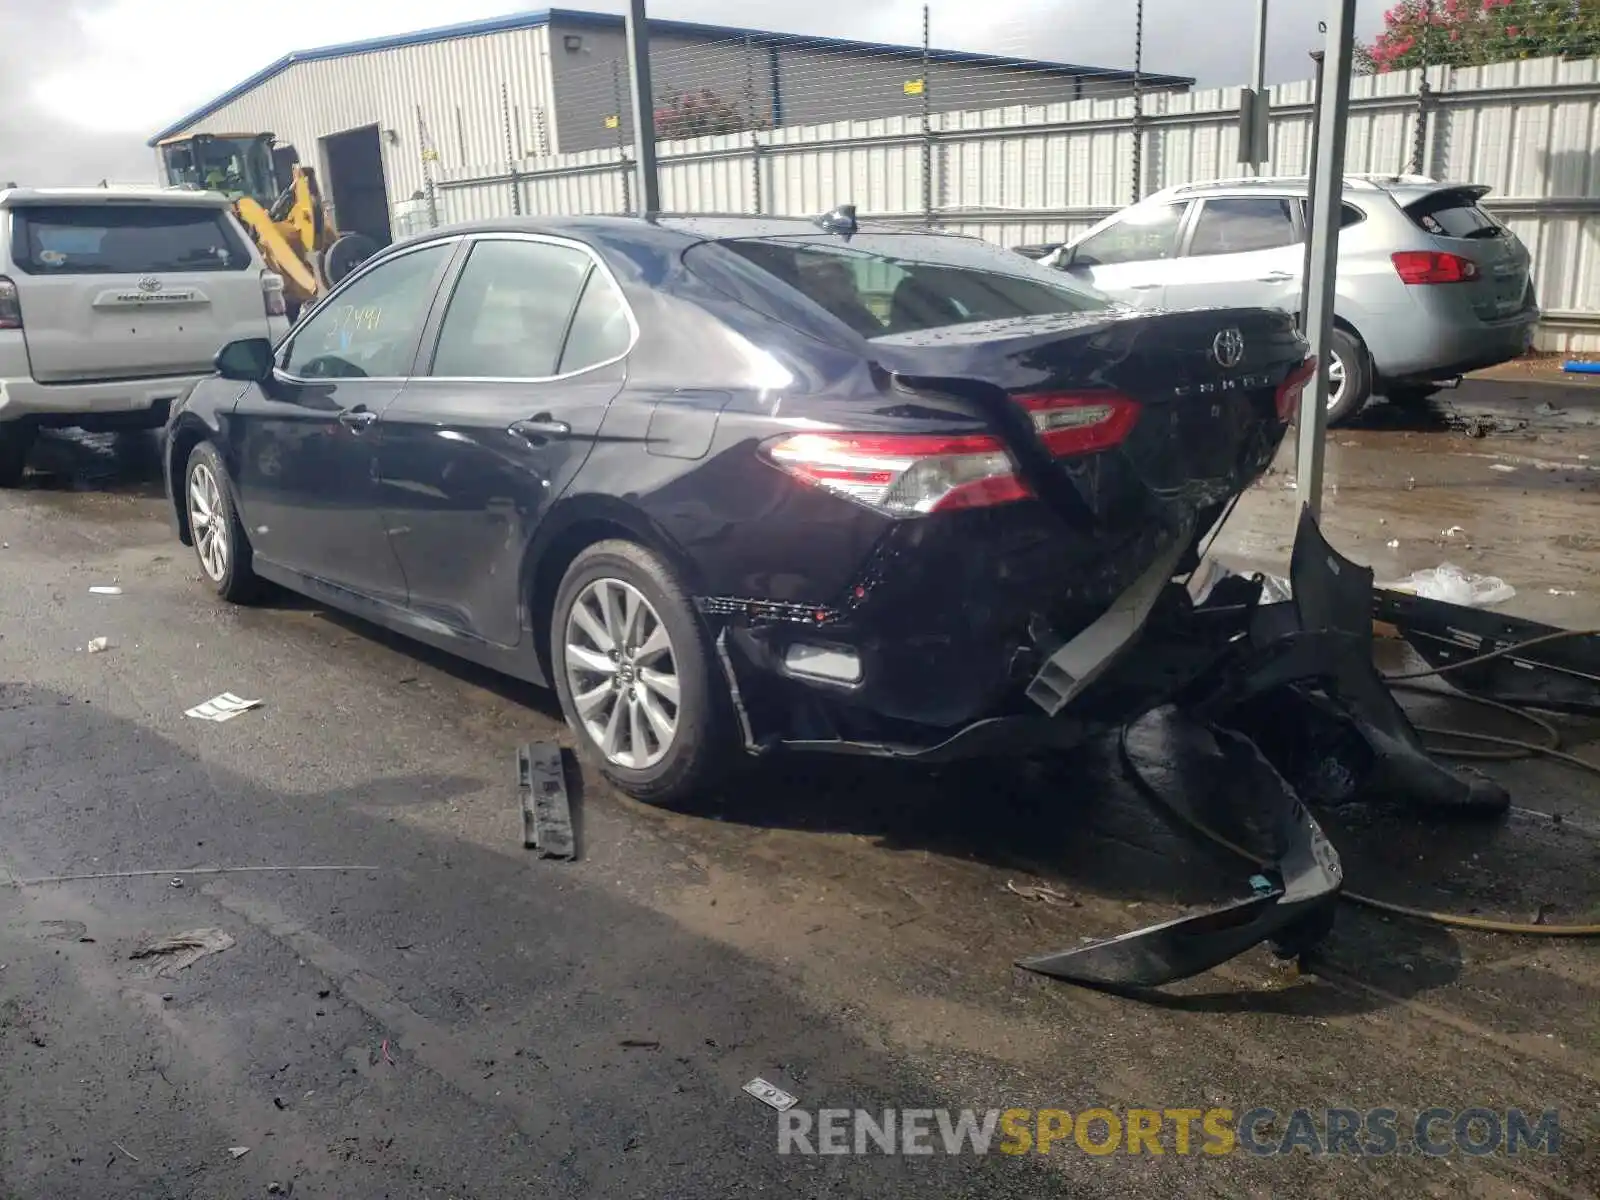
[(971, 523)]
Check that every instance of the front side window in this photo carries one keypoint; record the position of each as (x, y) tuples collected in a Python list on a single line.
[(370, 328), (1141, 235), (1240, 224), (125, 239), (510, 311)]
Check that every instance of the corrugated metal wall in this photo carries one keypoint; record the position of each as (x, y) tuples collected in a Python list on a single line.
[(456, 85), (1530, 130)]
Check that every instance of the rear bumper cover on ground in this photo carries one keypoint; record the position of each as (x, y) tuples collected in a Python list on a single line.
[(1274, 686)]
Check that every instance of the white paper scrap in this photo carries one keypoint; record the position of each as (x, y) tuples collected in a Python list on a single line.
[(768, 1094), (221, 708)]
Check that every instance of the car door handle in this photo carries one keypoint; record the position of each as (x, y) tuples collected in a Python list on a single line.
[(357, 417), (1275, 277), (540, 429), (1142, 287)]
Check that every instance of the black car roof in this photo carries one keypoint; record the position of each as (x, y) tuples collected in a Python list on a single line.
[(690, 229)]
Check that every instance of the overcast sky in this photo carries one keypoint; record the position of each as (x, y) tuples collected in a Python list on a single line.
[(84, 82)]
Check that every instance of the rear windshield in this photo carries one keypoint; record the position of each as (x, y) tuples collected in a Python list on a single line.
[(899, 283), (1454, 215), (124, 239)]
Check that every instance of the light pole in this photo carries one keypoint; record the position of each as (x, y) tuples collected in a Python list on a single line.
[(644, 108), (1327, 206), (1258, 86)]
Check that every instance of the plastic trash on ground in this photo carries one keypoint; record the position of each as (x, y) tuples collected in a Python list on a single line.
[(1452, 585)]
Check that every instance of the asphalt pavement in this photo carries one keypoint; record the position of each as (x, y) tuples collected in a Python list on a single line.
[(447, 1015)]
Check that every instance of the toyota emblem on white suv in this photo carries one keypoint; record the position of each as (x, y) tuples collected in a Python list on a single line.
[(149, 283), (1228, 348)]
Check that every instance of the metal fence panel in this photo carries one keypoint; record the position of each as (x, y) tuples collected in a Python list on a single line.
[(1041, 173)]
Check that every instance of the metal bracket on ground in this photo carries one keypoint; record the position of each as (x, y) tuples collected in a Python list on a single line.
[(542, 791)]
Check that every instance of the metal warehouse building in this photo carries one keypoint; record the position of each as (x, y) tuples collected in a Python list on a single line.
[(533, 84)]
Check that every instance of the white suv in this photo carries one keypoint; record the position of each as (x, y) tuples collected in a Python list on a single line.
[(113, 302)]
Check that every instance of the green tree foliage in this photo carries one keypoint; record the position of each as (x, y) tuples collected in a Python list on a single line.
[(1469, 33)]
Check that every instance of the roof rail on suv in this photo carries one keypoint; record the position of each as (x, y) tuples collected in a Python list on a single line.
[(1369, 181)]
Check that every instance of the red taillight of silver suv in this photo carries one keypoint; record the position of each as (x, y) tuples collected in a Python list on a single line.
[(10, 305)]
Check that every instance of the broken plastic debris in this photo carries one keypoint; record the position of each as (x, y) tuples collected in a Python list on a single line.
[(1501, 467), (105, 591), (1452, 585), (238, 1151), (96, 645), (221, 708), (1047, 895), (183, 949), (1394, 543), (771, 1096), (1562, 592), (1453, 531)]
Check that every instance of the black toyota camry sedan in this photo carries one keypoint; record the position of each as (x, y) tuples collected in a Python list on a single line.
[(735, 483)]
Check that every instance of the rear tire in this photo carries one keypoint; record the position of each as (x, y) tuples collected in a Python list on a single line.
[(1349, 359), (16, 441), (618, 677), (219, 539)]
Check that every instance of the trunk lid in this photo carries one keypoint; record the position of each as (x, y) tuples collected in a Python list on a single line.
[(1204, 382), (1457, 224), (131, 289)]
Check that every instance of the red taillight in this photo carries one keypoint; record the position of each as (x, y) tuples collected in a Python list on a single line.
[(1071, 423), (272, 294), (904, 474), (10, 305), (1293, 387), (1433, 266)]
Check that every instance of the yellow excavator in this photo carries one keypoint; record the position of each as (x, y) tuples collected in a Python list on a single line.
[(296, 237)]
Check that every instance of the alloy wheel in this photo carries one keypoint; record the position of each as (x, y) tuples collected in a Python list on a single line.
[(208, 522), (622, 674), (1335, 379)]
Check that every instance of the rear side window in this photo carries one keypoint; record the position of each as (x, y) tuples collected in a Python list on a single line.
[(887, 284), (1454, 215), (509, 313), (1239, 224), (124, 239)]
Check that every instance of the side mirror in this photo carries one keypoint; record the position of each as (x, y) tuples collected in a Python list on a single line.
[(249, 360), (1066, 257)]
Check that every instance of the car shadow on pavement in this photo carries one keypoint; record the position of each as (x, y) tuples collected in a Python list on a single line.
[(69, 460), (532, 1018)]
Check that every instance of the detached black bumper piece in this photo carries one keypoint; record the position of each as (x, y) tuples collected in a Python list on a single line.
[(1290, 696), (1291, 901)]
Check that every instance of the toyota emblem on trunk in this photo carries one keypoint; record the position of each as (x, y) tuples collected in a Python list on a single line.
[(149, 283), (1228, 348)]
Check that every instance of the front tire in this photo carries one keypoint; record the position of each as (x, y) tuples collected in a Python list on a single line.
[(635, 672), (219, 538)]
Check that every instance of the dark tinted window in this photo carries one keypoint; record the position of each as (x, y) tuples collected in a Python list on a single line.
[(1142, 234), (600, 330), (1349, 215), (370, 328), (510, 310), (1238, 224), (1454, 215), (124, 239), (887, 284)]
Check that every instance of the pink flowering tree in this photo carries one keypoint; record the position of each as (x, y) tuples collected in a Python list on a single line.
[(699, 113), (1466, 33)]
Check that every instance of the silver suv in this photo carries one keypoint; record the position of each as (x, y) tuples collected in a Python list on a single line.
[(1430, 285), (113, 302)]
